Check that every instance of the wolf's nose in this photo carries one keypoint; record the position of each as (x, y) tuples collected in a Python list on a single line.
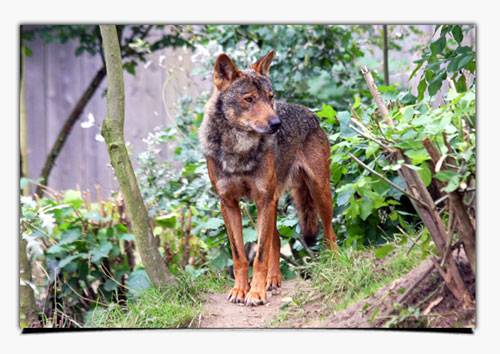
[(274, 123)]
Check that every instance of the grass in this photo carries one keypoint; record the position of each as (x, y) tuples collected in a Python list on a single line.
[(176, 306), (339, 280)]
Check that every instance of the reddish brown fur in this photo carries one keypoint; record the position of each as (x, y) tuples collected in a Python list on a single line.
[(303, 168)]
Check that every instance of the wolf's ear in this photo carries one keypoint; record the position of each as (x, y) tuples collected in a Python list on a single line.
[(262, 65), (225, 72)]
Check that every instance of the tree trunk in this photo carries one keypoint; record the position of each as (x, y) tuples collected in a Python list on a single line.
[(386, 55), (66, 129), (466, 229), (112, 130), (27, 308)]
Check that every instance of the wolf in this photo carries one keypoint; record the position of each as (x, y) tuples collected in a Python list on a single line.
[(258, 147)]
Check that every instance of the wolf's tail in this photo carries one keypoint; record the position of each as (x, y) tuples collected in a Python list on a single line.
[(304, 203)]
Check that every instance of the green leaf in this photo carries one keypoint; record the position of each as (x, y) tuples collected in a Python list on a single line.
[(417, 156), (371, 149), (383, 251), (344, 195), (138, 282), (357, 102), (249, 235), (436, 83), (408, 113), (328, 113), (453, 184), (130, 67), (438, 45), (419, 65), (167, 221), (456, 31), (422, 86), (27, 51), (426, 174), (73, 198), (101, 252), (445, 176), (110, 285), (285, 231), (366, 208), (65, 261), (55, 249), (213, 224), (461, 84), (70, 236)]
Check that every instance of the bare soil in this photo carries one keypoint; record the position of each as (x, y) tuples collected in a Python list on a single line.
[(437, 306), (220, 313)]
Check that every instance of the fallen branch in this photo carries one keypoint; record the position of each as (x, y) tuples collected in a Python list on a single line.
[(422, 276)]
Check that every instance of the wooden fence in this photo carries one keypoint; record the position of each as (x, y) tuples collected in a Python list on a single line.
[(55, 78)]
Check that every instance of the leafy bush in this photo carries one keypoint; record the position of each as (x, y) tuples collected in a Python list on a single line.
[(447, 57), (314, 64), (84, 251)]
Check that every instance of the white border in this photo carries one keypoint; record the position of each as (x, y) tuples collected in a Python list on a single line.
[(234, 341)]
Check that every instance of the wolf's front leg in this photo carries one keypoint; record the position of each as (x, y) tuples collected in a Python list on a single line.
[(232, 218), (266, 223), (273, 281)]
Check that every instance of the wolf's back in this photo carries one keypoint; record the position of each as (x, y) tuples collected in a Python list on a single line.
[(298, 126)]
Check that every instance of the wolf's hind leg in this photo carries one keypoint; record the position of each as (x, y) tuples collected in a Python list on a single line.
[(316, 166)]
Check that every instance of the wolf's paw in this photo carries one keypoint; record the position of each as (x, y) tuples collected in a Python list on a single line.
[(273, 283), (237, 295), (256, 297)]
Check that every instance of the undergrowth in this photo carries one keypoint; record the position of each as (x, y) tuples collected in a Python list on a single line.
[(176, 306)]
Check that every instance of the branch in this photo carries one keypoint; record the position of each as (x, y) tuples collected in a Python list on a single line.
[(376, 95), (362, 164), (369, 137)]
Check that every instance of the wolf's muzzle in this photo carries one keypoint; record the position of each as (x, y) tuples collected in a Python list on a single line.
[(274, 124)]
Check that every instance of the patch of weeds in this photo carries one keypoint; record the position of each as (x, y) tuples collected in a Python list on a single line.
[(173, 306), (338, 280)]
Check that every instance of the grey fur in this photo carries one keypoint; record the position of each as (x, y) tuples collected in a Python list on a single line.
[(237, 150)]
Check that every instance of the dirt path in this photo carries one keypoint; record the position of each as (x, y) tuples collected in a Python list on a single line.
[(219, 313)]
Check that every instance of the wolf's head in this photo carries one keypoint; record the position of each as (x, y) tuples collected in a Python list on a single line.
[(246, 96)]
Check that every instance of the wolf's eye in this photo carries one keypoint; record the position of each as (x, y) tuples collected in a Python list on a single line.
[(249, 99), (271, 96)]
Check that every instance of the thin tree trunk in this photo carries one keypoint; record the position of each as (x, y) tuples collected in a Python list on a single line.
[(466, 229), (27, 307), (187, 236), (67, 127), (112, 131), (386, 55)]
